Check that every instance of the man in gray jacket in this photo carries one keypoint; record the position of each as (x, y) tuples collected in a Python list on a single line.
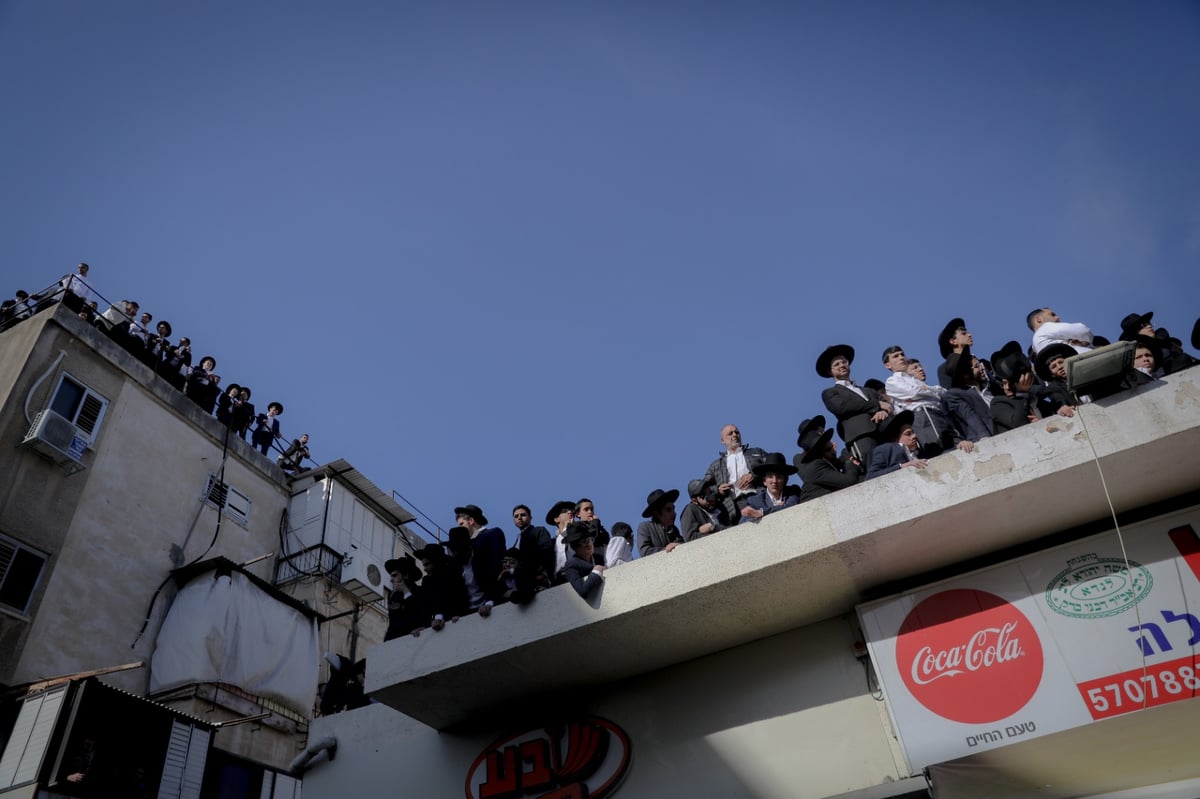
[(733, 471)]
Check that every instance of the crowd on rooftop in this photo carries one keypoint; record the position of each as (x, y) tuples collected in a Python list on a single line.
[(150, 342), (886, 426)]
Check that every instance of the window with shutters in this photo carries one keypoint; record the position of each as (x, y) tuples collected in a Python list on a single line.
[(20, 573), (79, 405), (234, 503)]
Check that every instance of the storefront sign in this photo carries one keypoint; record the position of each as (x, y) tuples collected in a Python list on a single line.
[(1054, 640), (582, 759)]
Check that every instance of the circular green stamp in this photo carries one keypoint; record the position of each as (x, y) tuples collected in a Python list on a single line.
[(1098, 587)]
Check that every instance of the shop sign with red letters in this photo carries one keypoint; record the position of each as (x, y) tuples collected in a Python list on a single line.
[(1054, 640), (580, 759)]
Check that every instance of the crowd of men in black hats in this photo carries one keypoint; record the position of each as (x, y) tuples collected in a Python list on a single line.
[(886, 426), (131, 328)]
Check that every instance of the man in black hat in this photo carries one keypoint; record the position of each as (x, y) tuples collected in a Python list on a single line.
[(482, 591), (733, 471), (487, 548), (859, 410), (442, 591), (561, 514), (267, 429), (534, 543), (704, 514), (581, 570), (406, 611), (776, 493), (1170, 359), (819, 467), (953, 342), (659, 534), (900, 448)]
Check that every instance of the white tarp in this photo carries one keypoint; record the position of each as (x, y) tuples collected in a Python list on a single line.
[(225, 629)]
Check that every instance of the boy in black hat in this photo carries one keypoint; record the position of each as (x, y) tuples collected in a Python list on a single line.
[(659, 534), (581, 571), (820, 468), (405, 609), (900, 449), (775, 495), (1054, 397)]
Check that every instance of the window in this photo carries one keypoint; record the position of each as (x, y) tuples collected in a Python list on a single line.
[(223, 495), (20, 571), (79, 405)]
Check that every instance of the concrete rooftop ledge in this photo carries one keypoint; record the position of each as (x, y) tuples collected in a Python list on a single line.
[(806, 564)]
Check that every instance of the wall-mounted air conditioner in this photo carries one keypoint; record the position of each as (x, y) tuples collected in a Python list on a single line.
[(364, 577), (56, 438)]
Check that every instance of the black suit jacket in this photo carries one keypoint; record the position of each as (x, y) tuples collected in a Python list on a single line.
[(852, 411), (822, 477)]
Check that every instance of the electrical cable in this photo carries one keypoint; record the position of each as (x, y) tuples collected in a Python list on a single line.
[(1120, 537)]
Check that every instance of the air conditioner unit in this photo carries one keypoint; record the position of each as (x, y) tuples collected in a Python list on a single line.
[(56, 438), (364, 577)]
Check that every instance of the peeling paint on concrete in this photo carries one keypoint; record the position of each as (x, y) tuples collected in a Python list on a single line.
[(1187, 394), (945, 468), (997, 464)]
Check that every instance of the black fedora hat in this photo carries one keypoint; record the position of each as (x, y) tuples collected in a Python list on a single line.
[(826, 357), (406, 566), (948, 333), (775, 463), (890, 431), (1196, 335), (471, 512), (1050, 352), (578, 531), (875, 384), (278, 405), (1133, 323), (433, 552), (458, 537), (810, 430), (1007, 360), (658, 497), (557, 508), (816, 446)]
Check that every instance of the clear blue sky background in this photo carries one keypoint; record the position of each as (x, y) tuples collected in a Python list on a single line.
[(517, 252)]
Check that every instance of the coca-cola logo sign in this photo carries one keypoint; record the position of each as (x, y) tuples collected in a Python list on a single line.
[(969, 656), (581, 759)]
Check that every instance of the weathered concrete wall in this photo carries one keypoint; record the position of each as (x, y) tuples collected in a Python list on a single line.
[(787, 716)]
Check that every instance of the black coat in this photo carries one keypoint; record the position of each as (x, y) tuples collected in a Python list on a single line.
[(852, 411), (822, 477), (582, 576)]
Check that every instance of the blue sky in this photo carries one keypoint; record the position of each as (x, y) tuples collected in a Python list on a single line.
[(522, 252)]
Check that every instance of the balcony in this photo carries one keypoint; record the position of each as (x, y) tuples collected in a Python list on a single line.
[(806, 564)]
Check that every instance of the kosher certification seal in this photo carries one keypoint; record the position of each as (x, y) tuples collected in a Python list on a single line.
[(1092, 587)]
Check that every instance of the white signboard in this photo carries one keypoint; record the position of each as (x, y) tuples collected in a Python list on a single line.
[(1050, 641)]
